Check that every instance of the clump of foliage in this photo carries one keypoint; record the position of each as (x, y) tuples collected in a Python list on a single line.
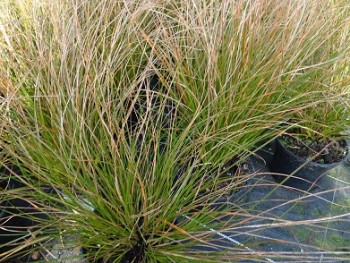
[(127, 159)]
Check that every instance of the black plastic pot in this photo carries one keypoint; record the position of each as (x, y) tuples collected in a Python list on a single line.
[(297, 172), (17, 216), (266, 153), (14, 224)]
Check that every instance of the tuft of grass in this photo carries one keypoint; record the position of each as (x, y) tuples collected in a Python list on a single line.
[(129, 163), (254, 65)]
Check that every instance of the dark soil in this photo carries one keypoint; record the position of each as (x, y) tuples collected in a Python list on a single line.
[(134, 255), (323, 151)]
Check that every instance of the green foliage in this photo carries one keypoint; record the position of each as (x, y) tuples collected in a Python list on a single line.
[(324, 110), (127, 161)]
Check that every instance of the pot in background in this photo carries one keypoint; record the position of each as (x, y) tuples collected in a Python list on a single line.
[(18, 217), (266, 153), (298, 172)]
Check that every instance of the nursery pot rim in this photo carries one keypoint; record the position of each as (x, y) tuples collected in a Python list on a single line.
[(2, 211), (321, 165), (292, 170)]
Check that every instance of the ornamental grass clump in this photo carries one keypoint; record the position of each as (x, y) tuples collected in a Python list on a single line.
[(74, 75), (121, 114), (253, 65)]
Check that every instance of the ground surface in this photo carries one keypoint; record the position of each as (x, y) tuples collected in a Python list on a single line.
[(294, 223)]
